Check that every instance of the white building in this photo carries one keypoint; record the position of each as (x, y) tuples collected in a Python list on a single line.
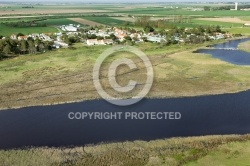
[(236, 6), (92, 42), (69, 28)]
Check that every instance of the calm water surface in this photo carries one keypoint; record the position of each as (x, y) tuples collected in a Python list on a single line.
[(205, 115), (237, 57), (50, 126)]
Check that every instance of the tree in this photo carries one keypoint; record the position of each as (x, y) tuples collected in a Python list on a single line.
[(148, 29), (99, 37), (207, 8), (6, 49), (142, 21), (145, 39), (113, 37), (19, 34), (41, 47), (23, 47), (218, 29), (32, 50), (128, 38)]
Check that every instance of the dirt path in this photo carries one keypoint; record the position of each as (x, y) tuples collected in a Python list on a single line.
[(48, 11), (86, 22)]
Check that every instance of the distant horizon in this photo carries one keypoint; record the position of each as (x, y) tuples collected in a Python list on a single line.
[(122, 1)]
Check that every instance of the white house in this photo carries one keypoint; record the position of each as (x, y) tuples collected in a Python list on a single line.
[(92, 42), (13, 37), (59, 43)]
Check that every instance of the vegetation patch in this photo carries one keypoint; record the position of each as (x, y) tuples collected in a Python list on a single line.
[(245, 46), (230, 149), (106, 20)]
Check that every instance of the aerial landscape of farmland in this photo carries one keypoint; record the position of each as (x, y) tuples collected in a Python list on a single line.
[(124, 83)]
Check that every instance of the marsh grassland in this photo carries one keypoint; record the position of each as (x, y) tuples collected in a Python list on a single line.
[(245, 46), (206, 150), (65, 75)]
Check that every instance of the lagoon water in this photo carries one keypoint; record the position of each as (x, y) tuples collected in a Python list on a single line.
[(50, 125), (237, 57), (203, 115)]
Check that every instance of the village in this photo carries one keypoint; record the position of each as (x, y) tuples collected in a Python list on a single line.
[(115, 35)]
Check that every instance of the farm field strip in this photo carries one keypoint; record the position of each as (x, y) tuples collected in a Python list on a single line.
[(48, 11), (215, 23), (86, 22), (164, 12), (225, 19)]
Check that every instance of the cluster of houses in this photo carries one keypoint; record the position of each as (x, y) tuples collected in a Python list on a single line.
[(104, 36), (43, 37), (141, 36), (58, 43), (120, 35)]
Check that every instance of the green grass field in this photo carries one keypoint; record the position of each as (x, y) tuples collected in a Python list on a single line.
[(7, 31), (165, 12), (232, 154), (244, 31), (215, 23)]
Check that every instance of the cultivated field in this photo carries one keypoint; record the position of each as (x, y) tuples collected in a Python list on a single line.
[(106, 20), (59, 9), (86, 22)]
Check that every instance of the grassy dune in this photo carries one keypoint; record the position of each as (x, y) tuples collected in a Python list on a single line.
[(206, 150), (245, 46), (65, 75)]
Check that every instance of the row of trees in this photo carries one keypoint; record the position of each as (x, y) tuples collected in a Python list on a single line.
[(209, 8), (23, 24), (168, 23), (14, 47)]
